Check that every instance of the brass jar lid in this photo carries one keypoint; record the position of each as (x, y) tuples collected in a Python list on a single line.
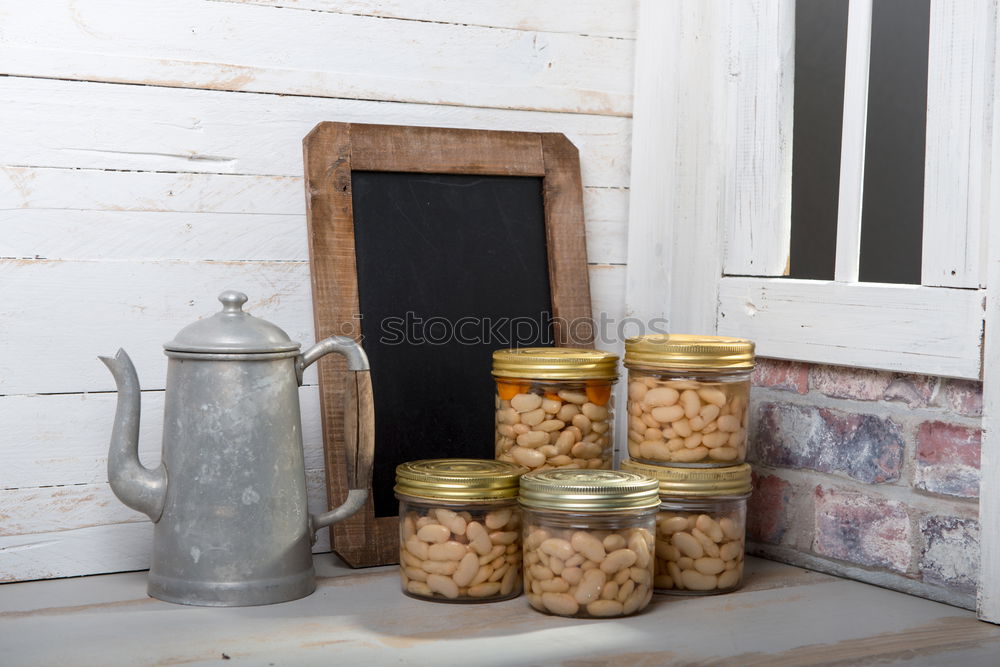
[(696, 482), (555, 363), (588, 490), (458, 479), (686, 352)]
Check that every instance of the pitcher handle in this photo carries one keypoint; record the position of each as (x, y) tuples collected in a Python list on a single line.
[(359, 425)]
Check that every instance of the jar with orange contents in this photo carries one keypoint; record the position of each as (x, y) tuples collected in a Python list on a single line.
[(554, 407)]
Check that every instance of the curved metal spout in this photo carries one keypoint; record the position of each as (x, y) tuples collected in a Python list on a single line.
[(135, 485)]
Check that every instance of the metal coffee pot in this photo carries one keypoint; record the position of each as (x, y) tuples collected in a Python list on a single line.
[(229, 499)]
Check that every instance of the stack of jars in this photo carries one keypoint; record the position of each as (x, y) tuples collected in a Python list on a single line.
[(688, 400), (551, 517), (588, 530)]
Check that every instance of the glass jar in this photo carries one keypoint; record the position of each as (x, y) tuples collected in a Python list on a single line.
[(588, 541), (459, 530), (700, 528), (688, 399), (554, 407)]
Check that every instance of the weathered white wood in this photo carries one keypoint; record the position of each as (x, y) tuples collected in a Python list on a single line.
[(151, 235), (783, 616), (51, 123), (607, 292), (605, 211), (654, 166), (607, 18), (988, 591), (960, 66), (758, 201), (106, 547), (54, 439), (611, 327), (55, 508), (100, 190), (927, 330), (852, 138), (677, 164), (147, 200), (218, 234), (227, 46), (60, 315)]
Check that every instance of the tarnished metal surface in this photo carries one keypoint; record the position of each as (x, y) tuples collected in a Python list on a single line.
[(138, 487), (229, 499)]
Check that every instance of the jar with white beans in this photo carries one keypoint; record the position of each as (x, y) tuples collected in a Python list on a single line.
[(554, 407), (700, 528), (588, 541), (688, 399), (459, 530)]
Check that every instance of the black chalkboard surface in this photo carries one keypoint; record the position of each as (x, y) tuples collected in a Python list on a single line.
[(450, 268), (434, 247)]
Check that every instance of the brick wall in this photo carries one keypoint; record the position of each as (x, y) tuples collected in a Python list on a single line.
[(868, 474)]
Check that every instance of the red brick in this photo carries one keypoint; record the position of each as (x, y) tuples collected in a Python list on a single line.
[(842, 382), (948, 459), (867, 448), (784, 375), (767, 509), (963, 397), (917, 391), (862, 529), (950, 553)]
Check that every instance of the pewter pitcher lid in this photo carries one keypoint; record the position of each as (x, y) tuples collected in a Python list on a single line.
[(232, 331)]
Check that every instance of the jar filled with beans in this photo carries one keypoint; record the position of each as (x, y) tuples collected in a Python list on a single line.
[(554, 407), (588, 541), (688, 399), (700, 528), (459, 530)]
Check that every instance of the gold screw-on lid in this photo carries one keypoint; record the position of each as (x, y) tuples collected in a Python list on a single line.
[(458, 479), (588, 490), (555, 363), (685, 352), (696, 482)]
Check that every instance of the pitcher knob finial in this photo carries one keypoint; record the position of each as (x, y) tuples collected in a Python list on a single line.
[(232, 301)]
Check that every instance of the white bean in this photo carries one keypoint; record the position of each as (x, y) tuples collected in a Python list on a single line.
[(586, 567), (446, 586), (698, 551), (661, 396), (685, 409), (553, 426), (561, 604), (526, 402), (529, 458), (452, 556)]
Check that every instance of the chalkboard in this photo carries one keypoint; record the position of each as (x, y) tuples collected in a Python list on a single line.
[(433, 247), (450, 267)]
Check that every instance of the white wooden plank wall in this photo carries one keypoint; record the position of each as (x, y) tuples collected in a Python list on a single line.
[(151, 157), (961, 64), (758, 191), (852, 147), (679, 164), (988, 590)]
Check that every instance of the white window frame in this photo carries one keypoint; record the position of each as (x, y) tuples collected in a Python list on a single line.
[(710, 204)]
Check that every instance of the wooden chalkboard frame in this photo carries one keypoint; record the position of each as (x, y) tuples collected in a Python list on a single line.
[(331, 152)]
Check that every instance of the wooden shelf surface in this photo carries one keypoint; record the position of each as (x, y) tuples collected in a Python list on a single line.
[(783, 616)]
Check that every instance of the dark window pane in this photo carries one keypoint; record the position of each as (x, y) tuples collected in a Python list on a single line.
[(893, 206), (820, 53)]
